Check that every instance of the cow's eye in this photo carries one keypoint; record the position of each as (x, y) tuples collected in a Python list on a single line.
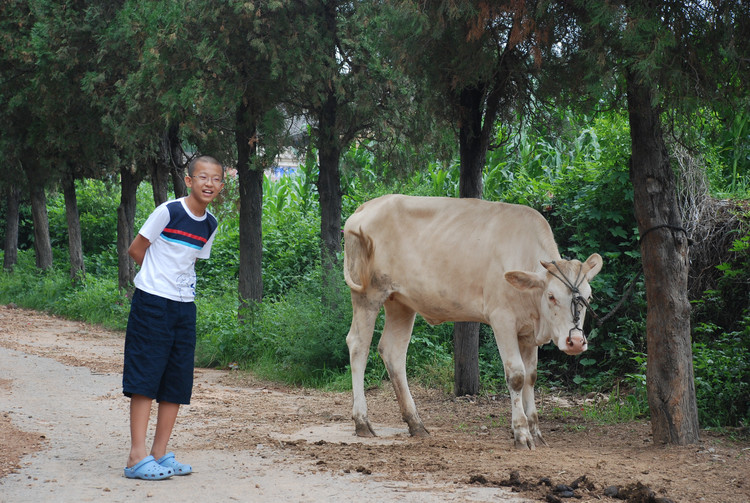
[(551, 297)]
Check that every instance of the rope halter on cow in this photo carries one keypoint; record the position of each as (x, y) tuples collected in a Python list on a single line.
[(577, 301)]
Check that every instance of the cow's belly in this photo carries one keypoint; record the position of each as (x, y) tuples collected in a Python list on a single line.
[(440, 306)]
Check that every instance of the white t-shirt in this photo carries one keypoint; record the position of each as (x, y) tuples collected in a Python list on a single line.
[(178, 238)]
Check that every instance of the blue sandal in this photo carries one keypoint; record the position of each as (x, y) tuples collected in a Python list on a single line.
[(148, 469), (168, 461)]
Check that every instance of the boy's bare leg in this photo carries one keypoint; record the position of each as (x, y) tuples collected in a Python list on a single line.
[(140, 411), (165, 420)]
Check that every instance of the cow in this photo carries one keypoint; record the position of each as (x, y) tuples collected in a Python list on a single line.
[(454, 259)]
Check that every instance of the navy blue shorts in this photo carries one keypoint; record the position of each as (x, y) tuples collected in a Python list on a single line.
[(159, 349)]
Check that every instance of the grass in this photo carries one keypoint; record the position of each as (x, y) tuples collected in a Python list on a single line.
[(97, 300), (619, 409)]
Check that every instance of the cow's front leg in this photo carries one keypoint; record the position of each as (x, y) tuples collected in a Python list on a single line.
[(529, 355), (399, 322), (358, 340), (515, 378)]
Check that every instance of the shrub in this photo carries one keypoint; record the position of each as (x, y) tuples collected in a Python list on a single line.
[(722, 377), (304, 339), (97, 208), (31, 288), (97, 300), (220, 341)]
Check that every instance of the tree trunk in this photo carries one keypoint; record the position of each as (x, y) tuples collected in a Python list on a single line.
[(473, 154), (75, 246), (250, 286), (329, 189), (176, 161), (159, 172), (10, 247), (664, 251), (42, 244), (129, 181), (178, 181), (472, 143), (329, 153)]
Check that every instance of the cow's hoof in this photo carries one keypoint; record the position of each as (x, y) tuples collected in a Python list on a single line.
[(418, 431), (524, 442), (525, 445), (364, 430)]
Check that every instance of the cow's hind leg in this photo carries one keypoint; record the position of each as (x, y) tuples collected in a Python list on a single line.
[(399, 322), (358, 340)]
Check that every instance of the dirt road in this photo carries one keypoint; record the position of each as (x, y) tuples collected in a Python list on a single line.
[(63, 431), (80, 416)]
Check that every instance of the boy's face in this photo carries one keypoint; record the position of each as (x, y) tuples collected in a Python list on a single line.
[(206, 181)]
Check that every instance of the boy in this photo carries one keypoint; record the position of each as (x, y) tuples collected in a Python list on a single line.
[(160, 337)]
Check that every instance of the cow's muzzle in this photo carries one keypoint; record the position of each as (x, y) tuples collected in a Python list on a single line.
[(576, 342)]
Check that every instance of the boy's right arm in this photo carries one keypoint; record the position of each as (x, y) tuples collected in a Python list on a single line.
[(138, 248)]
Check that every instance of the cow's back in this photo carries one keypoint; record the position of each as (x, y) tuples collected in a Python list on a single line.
[(446, 254)]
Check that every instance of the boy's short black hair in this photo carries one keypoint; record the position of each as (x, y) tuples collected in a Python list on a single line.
[(207, 159)]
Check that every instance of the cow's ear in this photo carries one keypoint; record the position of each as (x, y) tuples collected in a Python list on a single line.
[(592, 266), (524, 280)]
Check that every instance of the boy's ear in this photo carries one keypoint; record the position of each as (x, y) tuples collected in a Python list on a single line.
[(188, 181)]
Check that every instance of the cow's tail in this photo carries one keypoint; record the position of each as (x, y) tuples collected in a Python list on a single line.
[(358, 253)]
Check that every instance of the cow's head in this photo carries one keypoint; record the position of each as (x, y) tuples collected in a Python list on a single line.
[(563, 291)]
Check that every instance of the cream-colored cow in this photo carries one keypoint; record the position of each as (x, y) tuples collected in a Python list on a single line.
[(461, 260)]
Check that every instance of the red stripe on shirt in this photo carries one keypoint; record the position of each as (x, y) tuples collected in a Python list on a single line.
[(193, 236)]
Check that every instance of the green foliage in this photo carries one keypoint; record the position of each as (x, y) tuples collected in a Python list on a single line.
[(28, 287), (430, 355), (721, 335), (291, 242), (735, 149), (619, 407), (291, 249), (98, 300), (727, 306), (219, 338), (291, 234), (97, 208), (305, 341), (722, 377)]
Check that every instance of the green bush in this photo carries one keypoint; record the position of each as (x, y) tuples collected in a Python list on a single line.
[(97, 208), (305, 340), (220, 342), (722, 379), (721, 335), (28, 287), (291, 250), (728, 304), (97, 300), (221, 270)]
